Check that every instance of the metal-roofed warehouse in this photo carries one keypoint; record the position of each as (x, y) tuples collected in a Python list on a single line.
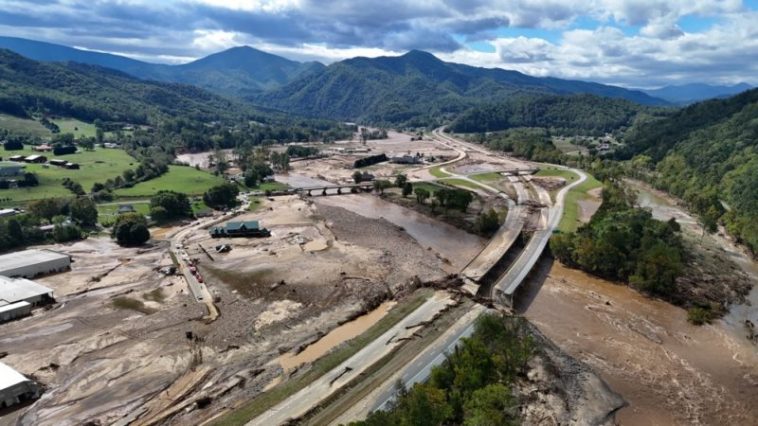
[(32, 263), (19, 295), (15, 387), (13, 290)]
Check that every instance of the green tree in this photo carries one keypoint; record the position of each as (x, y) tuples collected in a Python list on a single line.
[(169, 205), (129, 175), (83, 211), (221, 196), (491, 405), (47, 208), (488, 222), (15, 231), (380, 185), (87, 143), (400, 180), (407, 189), (66, 232), (30, 179), (130, 230), (357, 177), (422, 194), (251, 178)]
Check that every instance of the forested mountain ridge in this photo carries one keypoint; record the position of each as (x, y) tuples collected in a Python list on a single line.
[(417, 87), (88, 92), (580, 113), (706, 154), (236, 71)]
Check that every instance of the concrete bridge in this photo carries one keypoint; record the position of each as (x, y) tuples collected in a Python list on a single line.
[(323, 190)]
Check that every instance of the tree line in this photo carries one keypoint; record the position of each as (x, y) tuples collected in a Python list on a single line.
[(624, 243), (473, 386), (707, 155)]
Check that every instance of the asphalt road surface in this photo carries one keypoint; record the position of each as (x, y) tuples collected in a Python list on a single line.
[(310, 396)]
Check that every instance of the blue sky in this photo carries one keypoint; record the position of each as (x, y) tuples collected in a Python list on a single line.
[(635, 43)]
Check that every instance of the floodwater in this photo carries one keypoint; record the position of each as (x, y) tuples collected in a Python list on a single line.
[(334, 338), (458, 246), (669, 371)]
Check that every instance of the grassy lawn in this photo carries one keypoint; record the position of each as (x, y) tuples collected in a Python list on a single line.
[(255, 204), (107, 212), (462, 183), (96, 166), (78, 128), (23, 126), (569, 176), (179, 178), (570, 219), (437, 172), (199, 206), (431, 187), (486, 177), (324, 364), (566, 147)]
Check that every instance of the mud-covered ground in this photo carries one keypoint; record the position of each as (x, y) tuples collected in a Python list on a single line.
[(148, 355), (559, 390)]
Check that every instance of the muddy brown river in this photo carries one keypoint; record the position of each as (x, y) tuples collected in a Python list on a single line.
[(458, 246), (669, 371)]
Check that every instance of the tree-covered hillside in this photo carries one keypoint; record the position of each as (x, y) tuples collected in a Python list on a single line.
[(569, 114), (88, 93), (238, 71), (417, 88), (707, 154)]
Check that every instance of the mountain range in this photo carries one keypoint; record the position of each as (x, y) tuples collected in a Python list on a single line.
[(386, 89), (237, 71), (416, 88), (688, 93), (89, 92)]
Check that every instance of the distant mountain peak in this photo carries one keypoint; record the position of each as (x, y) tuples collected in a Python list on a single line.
[(415, 53), (694, 92), (238, 71)]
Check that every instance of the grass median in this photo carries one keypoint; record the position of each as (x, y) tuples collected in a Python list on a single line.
[(437, 172), (462, 183), (570, 219)]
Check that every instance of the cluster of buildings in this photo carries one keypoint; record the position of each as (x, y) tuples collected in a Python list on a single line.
[(18, 295), (36, 158), (14, 166)]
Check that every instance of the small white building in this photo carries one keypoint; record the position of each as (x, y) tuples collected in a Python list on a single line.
[(15, 387), (9, 212), (14, 290), (33, 263), (14, 311)]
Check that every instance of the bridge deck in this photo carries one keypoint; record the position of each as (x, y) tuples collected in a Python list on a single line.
[(500, 243)]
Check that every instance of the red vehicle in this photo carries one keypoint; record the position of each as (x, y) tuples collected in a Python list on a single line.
[(199, 278), (192, 269)]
